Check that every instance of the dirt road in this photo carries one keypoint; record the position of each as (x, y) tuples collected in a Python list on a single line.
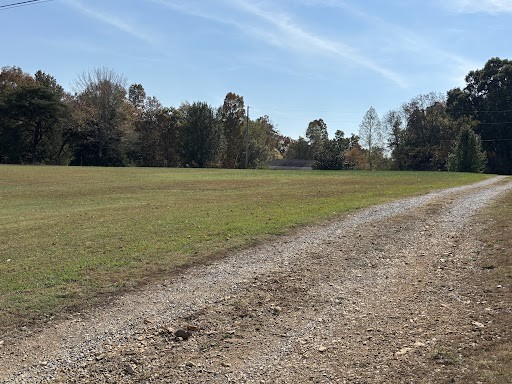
[(385, 295)]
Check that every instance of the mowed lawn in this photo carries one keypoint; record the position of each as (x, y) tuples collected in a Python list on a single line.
[(70, 237)]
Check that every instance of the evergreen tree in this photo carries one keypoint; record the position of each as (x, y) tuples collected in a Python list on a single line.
[(467, 155)]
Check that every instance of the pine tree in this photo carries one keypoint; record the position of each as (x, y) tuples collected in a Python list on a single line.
[(467, 155)]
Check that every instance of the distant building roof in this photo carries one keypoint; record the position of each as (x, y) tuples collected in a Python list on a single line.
[(292, 164)]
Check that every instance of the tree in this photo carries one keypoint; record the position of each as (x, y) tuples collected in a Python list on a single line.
[(169, 123), (487, 98), (32, 114), (332, 153), (428, 138), (395, 132), (101, 99), (11, 142), (370, 133), (137, 96), (232, 116), (201, 135), (420, 133), (12, 77), (298, 150), (317, 135), (356, 157), (263, 141), (156, 130), (467, 155)]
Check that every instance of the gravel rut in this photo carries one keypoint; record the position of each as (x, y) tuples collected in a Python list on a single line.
[(374, 297)]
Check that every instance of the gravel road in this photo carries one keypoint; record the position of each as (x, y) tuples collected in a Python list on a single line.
[(378, 296)]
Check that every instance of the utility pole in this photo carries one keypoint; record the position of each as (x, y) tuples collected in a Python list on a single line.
[(247, 141)]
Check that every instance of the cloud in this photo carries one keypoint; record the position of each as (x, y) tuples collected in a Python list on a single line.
[(199, 9), (401, 39), (112, 21), (290, 35), (273, 26), (479, 6)]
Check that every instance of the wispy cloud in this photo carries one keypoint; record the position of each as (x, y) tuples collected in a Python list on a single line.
[(401, 39), (199, 9), (479, 6), (274, 26), (290, 34), (112, 21)]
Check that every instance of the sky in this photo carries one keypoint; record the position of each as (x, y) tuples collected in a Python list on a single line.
[(293, 60)]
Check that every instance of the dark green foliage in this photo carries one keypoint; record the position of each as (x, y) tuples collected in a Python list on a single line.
[(137, 96), (487, 98), (467, 155), (317, 135), (393, 123), (425, 136), (421, 133), (32, 114), (299, 149), (331, 155), (201, 136), (156, 135)]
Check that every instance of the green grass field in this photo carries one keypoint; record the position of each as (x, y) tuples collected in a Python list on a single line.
[(69, 237)]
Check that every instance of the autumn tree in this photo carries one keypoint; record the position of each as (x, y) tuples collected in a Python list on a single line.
[(12, 77), (102, 100), (355, 156)]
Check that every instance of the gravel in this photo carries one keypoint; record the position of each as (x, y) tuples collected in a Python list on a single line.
[(373, 297)]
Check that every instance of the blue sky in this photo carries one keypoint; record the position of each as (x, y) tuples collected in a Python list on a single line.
[(294, 60)]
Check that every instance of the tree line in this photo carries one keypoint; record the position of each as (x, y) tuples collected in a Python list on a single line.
[(467, 130), (106, 123)]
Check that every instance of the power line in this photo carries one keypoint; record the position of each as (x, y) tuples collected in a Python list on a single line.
[(503, 111), (320, 111), (284, 110), (500, 123), (22, 4)]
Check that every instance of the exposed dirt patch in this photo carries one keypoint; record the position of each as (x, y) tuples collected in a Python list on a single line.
[(394, 294)]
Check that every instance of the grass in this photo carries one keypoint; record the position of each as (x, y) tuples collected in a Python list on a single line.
[(71, 236)]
